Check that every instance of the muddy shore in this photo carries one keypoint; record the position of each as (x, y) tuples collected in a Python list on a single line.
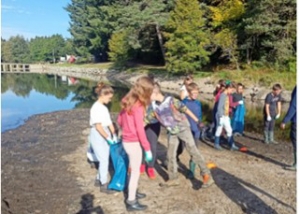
[(44, 170)]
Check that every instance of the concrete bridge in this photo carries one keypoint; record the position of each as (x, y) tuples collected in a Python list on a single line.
[(21, 68)]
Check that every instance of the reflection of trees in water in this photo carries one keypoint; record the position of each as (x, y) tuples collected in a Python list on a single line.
[(84, 96), (22, 84)]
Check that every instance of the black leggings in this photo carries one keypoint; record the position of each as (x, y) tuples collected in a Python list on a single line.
[(152, 133)]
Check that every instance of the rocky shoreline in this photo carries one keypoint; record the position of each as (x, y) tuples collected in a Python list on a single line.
[(207, 85)]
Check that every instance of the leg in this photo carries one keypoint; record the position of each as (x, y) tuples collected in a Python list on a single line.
[(228, 130), (101, 151), (179, 150), (217, 136), (152, 133), (293, 136), (134, 152), (197, 157), (271, 131), (266, 131), (173, 142)]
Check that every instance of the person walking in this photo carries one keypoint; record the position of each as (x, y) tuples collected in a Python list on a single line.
[(291, 116)]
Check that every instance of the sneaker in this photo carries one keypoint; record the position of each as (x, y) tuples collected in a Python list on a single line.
[(234, 148), (274, 142), (151, 173), (170, 183), (142, 168), (104, 189), (207, 181), (218, 147)]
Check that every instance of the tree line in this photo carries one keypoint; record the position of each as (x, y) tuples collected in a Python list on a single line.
[(36, 50), (183, 35)]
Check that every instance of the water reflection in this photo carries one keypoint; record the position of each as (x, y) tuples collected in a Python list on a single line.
[(24, 95)]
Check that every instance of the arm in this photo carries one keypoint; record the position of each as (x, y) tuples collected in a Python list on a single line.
[(149, 117), (112, 128), (279, 107), (189, 113), (138, 116), (221, 103), (100, 129), (291, 112), (182, 94), (267, 108)]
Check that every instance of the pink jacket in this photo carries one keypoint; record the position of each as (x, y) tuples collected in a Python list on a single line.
[(132, 124)]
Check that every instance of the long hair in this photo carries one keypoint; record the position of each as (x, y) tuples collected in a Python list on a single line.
[(103, 89), (140, 92)]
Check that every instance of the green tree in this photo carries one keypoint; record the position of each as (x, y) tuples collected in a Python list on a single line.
[(268, 31), (187, 38), (16, 50)]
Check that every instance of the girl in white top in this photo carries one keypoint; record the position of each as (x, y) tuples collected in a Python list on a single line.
[(183, 91), (102, 133)]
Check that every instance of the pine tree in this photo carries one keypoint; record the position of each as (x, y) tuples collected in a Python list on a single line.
[(186, 38), (269, 30)]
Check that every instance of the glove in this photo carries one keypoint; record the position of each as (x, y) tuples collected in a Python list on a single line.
[(110, 141), (277, 116), (241, 102), (269, 118), (221, 121), (148, 156)]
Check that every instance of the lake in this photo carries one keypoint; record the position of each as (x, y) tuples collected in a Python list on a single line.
[(24, 95)]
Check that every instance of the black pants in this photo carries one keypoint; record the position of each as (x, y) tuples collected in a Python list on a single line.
[(293, 136), (152, 133)]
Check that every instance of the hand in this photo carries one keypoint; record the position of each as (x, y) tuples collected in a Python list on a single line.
[(148, 156), (241, 102), (110, 141), (269, 118), (277, 116), (282, 126), (200, 124)]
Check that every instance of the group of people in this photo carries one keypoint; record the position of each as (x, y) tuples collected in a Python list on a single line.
[(145, 109)]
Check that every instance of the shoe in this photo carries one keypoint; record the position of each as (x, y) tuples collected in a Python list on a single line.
[(207, 181), (170, 183), (151, 173), (97, 183), (104, 189), (234, 148), (291, 168), (140, 195), (143, 169), (218, 147), (134, 206)]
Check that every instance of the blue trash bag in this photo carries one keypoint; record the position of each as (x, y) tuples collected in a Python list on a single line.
[(238, 119), (120, 162)]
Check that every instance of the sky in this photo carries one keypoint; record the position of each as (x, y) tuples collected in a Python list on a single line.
[(31, 18)]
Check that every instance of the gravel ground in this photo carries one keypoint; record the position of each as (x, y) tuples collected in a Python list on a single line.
[(44, 170)]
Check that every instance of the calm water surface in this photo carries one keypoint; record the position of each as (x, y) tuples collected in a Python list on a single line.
[(24, 95)]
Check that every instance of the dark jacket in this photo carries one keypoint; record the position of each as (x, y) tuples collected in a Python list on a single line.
[(291, 115)]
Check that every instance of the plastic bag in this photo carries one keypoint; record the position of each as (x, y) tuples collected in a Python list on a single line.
[(120, 162)]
